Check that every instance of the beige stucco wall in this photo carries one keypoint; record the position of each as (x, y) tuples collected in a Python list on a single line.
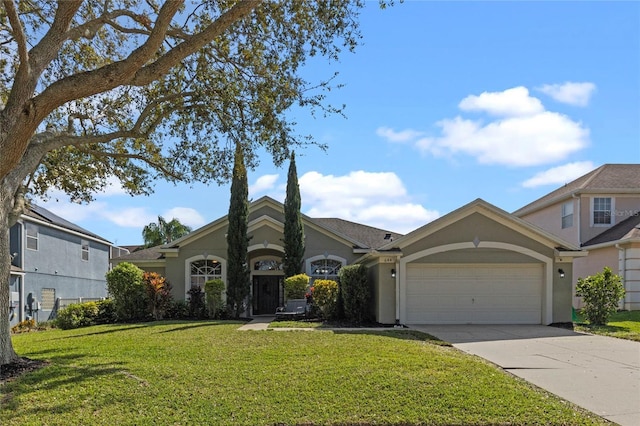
[(384, 292), (624, 206), (562, 292), (466, 229), (550, 219)]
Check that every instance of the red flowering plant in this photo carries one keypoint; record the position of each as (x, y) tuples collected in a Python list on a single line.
[(309, 296)]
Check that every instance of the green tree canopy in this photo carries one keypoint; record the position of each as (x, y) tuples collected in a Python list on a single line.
[(163, 232), (148, 89)]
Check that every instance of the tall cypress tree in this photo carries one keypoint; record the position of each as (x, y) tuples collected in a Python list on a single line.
[(238, 287), (293, 228)]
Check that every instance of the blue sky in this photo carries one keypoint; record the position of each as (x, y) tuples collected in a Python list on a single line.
[(446, 102)]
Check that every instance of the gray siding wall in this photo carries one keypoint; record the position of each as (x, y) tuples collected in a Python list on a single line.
[(58, 265)]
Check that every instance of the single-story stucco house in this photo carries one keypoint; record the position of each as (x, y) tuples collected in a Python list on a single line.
[(476, 265)]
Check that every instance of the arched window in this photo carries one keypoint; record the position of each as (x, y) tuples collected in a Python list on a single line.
[(270, 264), (324, 267), (204, 270)]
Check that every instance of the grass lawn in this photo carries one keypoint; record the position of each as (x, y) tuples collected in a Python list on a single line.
[(207, 372), (624, 324)]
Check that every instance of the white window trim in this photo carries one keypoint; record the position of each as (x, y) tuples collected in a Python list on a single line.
[(82, 250), (27, 236), (613, 212), (310, 260), (563, 214), (187, 270)]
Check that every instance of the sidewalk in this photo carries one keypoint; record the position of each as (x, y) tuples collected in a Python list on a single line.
[(258, 323)]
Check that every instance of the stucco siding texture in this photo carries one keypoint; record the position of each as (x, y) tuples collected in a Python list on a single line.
[(550, 219), (472, 226)]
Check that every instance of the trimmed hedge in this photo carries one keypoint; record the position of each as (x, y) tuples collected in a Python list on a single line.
[(356, 293)]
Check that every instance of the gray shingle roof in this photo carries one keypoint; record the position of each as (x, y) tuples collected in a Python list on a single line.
[(608, 178), (45, 215), (368, 235), (628, 228), (152, 253)]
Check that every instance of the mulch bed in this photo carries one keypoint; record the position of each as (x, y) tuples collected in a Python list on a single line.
[(14, 370)]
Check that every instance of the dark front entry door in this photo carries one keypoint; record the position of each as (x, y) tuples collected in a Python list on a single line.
[(266, 294)]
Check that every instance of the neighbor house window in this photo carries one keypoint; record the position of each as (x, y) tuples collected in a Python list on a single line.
[(85, 249), (32, 236), (567, 215), (203, 271), (602, 211)]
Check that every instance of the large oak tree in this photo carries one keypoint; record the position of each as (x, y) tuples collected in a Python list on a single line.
[(149, 89)]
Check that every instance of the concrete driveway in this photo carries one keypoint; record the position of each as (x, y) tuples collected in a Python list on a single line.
[(601, 374)]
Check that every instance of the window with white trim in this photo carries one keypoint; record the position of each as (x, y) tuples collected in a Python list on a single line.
[(567, 215), (325, 268), (203, 271), (84, 249), (32, 236), (602, 211)]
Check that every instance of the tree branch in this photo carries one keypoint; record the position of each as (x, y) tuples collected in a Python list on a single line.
[(174, 56), (140, 157), (18, 31)]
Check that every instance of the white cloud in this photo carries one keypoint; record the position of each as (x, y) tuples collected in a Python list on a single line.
[(399, 137), (511, 102), (262, 184), (375, 199), (133, 217), (73, 212), (186, 216), (577, 94), (524, 134), (559, 175)]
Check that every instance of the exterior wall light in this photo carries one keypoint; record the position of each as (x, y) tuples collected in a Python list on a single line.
[(561, 273), (393, 273)]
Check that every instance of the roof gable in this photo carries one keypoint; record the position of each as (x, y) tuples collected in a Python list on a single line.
[(490, 211), (606, 179), (267, 211)]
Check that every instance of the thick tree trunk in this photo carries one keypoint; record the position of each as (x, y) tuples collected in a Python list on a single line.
[(7, 354)]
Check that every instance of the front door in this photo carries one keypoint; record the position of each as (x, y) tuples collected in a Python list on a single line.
[(266, 294)]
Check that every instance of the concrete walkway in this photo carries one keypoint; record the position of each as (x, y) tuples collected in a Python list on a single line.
[(601, 374), (258, 323)]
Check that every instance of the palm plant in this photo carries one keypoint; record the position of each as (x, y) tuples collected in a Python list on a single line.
[(163, 232)]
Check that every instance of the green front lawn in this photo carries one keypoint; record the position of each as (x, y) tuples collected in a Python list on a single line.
[(624, 324), (193, 373)]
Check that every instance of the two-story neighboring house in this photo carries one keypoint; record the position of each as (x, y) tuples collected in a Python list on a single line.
[(54, 260), (599, 212)]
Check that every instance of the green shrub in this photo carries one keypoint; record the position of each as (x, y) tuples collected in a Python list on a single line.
[(356, 294), (213, 290), (197, 308), (325, 297), (127, 289), (601, 294), (77, 315), (295, 287), (177, 309), (106, 312), (158, 294)]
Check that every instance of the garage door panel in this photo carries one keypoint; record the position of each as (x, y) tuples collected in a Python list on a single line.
[(476, 294)]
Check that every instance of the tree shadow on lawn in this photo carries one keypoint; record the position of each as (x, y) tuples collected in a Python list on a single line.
[(58, 372), (402, 334)]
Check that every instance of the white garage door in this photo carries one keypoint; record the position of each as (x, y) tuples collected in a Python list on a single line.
[(474, 294)]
